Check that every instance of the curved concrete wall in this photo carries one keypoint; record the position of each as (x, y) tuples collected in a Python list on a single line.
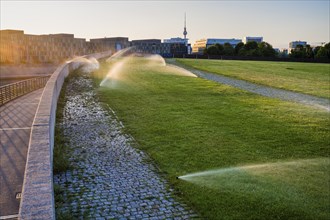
[(37, 200)]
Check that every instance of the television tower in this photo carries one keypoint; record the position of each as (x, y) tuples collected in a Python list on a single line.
[(185, 29)]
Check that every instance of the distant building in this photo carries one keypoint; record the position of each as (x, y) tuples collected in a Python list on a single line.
[(294, 44), (178, 46), (17, 47), (277, 50), (10, 50), (113, 43), (176, 40), (150, 46), (283, 52), (255, 39), (200, 45)]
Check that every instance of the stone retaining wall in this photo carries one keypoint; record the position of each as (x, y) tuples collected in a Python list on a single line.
[(37, 200)]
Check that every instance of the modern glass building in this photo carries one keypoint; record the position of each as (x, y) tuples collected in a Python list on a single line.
[(150, 46), (179, 46)]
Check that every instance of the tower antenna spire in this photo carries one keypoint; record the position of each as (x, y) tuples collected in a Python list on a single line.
[(185, 19), (185, 28)]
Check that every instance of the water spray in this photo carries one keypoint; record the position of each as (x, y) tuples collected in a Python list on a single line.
[(253, 169), (154, 61), (114, 73), (121, 53), (87, 64)]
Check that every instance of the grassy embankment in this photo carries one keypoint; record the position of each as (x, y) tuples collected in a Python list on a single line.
[(190, 125), (307, 78)]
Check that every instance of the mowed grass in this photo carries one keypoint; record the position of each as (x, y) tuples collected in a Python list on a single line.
[(308, 78), (190, 125)]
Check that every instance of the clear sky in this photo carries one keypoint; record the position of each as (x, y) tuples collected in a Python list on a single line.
[(279, 22)]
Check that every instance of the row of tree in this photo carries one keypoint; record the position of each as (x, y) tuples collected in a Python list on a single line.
[(264, 49), (251, 48), (308, 52)]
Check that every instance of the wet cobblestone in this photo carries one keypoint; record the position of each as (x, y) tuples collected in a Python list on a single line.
[(110, 179)]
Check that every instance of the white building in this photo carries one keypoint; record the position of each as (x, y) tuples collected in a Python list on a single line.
[(294, 44), (256, 39), (176, 40)]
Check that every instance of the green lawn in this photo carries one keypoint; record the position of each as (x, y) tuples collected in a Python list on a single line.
[(190, 125), (308, 78)]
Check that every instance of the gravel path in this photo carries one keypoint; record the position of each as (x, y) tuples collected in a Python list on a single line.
[(110, 179), (286, 95)]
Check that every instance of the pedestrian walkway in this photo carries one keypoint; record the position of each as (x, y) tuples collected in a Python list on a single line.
[(16, 118), (267, 91)]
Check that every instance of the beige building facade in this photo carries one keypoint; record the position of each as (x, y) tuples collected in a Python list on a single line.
[(17, 47), (200, 45)]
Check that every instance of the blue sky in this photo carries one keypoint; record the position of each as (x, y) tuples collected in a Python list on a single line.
[(279, 22)]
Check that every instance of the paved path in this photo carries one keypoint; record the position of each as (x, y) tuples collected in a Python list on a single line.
[(16, 119), (267, 91), (110, 179)]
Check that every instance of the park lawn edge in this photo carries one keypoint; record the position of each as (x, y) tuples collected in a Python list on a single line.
[(184, 65)]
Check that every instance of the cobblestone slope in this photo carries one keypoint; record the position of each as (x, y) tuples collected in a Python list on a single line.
[(110, 179)]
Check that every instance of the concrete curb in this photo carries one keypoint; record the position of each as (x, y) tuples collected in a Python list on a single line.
[(37, 200)]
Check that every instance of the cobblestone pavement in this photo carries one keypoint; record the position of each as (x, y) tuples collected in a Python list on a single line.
[(267, 91), (110, 179)]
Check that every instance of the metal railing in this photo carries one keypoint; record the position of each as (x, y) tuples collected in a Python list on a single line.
[(14, 90)]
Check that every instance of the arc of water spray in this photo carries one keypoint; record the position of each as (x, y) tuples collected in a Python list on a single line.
[(250, 167), (120, 53), (114, 72), (87, 64)]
